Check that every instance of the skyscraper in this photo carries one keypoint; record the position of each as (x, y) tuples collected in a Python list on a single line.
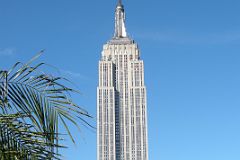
[(121, 98)]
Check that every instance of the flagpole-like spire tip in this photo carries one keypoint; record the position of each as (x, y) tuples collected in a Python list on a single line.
[(119, 2)]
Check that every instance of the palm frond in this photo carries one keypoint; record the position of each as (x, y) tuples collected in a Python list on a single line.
[(43, 98), (18, 140)]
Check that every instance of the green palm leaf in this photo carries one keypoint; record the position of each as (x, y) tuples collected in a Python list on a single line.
[(45, 101), (20, 141)]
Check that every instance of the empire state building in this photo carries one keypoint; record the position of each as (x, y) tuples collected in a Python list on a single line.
[(121, 98)]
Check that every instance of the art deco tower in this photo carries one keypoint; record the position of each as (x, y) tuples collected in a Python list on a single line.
[(121, 98)]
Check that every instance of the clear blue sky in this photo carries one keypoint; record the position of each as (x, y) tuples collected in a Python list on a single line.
[(191, 51)]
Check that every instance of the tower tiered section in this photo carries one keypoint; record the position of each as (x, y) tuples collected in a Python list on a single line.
[(121, 98)]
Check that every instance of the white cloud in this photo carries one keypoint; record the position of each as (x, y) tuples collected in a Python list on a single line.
[(7, 51), (183, 37), (73, 74)]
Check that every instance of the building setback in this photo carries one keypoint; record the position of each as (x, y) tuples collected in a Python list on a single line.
[(121, 98)]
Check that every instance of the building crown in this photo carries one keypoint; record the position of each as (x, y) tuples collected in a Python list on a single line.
[(120, 29)]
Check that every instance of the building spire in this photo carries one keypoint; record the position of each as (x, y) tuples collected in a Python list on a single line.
[(119, 2), (120, 29)]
